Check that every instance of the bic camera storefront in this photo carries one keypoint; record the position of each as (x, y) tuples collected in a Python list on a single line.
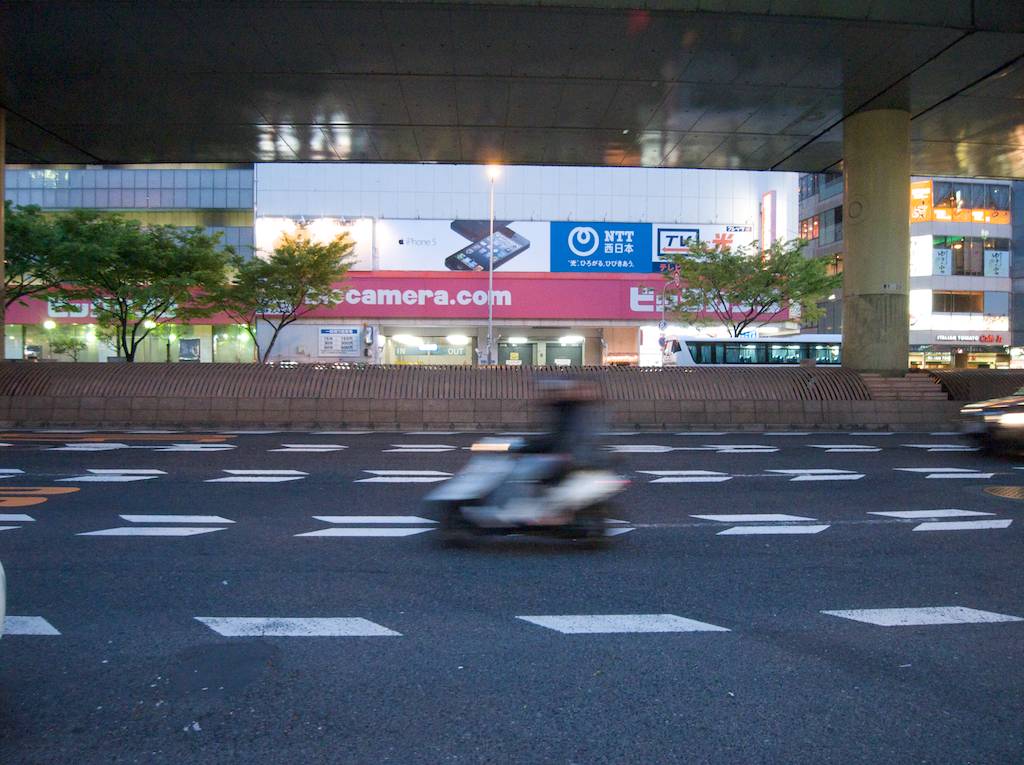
[(564, 293)]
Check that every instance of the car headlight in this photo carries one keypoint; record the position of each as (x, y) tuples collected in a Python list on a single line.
[(1011, 420)]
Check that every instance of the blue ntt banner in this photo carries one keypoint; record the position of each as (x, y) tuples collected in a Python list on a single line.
[(600, 247)]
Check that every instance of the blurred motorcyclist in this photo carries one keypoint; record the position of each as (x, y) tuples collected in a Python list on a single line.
[(575, 416)]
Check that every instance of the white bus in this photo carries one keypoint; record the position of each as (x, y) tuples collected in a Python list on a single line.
[(787, 350)]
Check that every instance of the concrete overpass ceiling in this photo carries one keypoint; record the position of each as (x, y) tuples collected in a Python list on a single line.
[(745, 84)]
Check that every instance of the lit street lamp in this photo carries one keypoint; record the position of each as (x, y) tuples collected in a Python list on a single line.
[(493, 172)]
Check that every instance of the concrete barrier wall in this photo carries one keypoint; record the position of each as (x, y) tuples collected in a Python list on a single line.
[(34, 395)]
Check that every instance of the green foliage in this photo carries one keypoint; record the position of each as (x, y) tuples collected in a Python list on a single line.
[(745, 287), (30, 244), (68, 345), (137, 276), (299, 277)]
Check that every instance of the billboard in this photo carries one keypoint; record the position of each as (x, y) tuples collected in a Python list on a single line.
[(600, 247)]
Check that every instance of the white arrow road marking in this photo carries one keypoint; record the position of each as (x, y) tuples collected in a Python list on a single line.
[(420, 448), (97, 447), (175, 519), (947, 472), (753, 517), (152, 531), (687, 476), (820, 474), (249, 626), (911, 514), (115, 475), (762, 530), (359, 531), (28, 625), (846, 448), (373, 519), (16, 518), (607, 624), (963, 525), (191, 448), (943, 447), (10, 472), (915, 617), (308, 448), (259, 476), (404, 476)]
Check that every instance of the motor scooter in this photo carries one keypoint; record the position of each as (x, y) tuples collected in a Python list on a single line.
[(505, 490)]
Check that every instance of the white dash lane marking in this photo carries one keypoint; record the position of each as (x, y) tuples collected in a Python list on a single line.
[(108, 446), (9, 528), (16, 518), (420, 448), (152, 531), (194, 448), (28, 625), (618, 530), (871, 433), (368, 519), (404, 476), (782, 433), (846, 448), (259, 476), (1001, 523), (175, 519), (753, 517), (820, 474), (946, 472), (373, 531), (433, 433), (914, 617), (308, 448), (767, 530), (115, 475), (640, 448), (702, 434), (687, 476), (339, 432), (10, 472), (943, 447), (248, 432), (247, 626), (911, 514), (607, 624)]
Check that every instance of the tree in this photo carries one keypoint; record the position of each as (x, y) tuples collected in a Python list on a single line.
[(30, 245), (137, 276), (745, 286), (299, 277), (68, 345)]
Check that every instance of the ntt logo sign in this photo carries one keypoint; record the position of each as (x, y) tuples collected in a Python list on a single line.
[(583, 241), (425, 297)]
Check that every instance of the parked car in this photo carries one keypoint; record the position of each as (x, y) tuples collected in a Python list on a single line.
[(998, 423)]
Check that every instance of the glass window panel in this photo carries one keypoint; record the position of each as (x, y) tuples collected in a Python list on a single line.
[(220, 179), (206, 181), (232, 178), (153, 179), (997, 303), (962, 194), (245, 179), (194, 178), (119, 179), (180, 198), (999, 197), (790, 353), (75, 198), (88, 197), (942, 194), (974, 259), (102, 178), (166, 179), (220, 198), (88, 179), (245, 199), (141, 198), (193, 197), (232, 198), (115, 197), (978, 195), (101, 198), (49, 198), (736, 353), (62, 198), (75, 179), (206, 198), (180, 179), (10, 179)]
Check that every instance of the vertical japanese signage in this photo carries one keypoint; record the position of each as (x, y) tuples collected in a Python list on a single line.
[(768, 233)]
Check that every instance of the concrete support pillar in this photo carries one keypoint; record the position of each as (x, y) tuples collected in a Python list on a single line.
[(876, 230)]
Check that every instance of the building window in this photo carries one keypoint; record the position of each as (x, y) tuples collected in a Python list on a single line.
[(808, 185), (809, 228), (958, 302)]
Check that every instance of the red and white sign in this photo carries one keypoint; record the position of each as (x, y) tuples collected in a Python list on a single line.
[(431, 295)]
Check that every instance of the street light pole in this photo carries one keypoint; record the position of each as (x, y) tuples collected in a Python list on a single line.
[(492, 173)]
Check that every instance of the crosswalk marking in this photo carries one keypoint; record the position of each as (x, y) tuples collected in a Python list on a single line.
[(1001, 523), (608, 624), (250, 626), (913, 617), (308, 448), (115, 475), (753, 517), (846, 448), (151, 531), (944, 513), (687, 476), (820, 474), (259, 476), (768, 530), (404, 476), (175, 519), (28, 625), (947, 472)]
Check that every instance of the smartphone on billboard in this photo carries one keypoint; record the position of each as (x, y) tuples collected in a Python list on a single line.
[(475, 230), (476, 257)]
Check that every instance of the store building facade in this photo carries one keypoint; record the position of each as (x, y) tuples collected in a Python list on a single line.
[(577, 255), (961, 255)]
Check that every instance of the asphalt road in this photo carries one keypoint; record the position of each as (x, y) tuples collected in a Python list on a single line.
[(762, 674)]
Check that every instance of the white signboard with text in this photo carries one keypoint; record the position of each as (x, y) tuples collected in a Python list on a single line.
[(339, 341)]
